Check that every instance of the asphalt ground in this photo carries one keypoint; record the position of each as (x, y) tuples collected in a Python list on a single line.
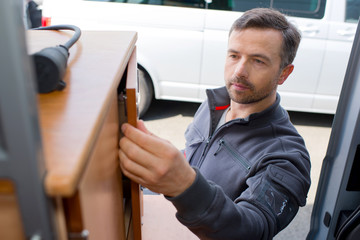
[(169, 120)]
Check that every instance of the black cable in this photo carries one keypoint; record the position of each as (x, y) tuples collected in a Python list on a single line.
[(74, 38), (51, 62)]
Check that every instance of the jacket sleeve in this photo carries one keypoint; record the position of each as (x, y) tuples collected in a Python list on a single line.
[(260, 212)]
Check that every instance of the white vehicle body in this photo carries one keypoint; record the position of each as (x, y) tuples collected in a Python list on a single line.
[(182, 49)]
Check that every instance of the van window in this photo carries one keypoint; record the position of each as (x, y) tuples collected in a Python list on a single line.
[(177, 3), (352, 11), (298, 8)]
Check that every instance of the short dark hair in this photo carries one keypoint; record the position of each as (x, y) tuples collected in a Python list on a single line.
[(273, 19)]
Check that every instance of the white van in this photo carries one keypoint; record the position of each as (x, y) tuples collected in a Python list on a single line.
[(182, 44)]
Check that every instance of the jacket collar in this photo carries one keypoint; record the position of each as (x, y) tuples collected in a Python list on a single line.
[(219, 100)]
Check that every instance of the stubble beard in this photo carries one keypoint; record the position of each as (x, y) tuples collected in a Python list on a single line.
[(251, 94)]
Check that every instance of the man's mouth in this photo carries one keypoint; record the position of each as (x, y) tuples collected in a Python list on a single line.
[(240, 86)]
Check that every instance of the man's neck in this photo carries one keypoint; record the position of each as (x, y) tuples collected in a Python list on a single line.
[(238, 110)]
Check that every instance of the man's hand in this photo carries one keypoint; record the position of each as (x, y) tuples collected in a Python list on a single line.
[(153, 162)]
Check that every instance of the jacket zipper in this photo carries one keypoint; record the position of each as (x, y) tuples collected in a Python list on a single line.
[(203, 152), (207, 144), (233, 153)]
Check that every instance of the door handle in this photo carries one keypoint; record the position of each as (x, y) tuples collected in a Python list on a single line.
[(310, 29), (350, 32)]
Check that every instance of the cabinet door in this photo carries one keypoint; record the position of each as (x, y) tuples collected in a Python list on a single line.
[(132, 92), (128, 112)]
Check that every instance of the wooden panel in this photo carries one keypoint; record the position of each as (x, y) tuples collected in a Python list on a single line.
[(73, 214), (71, 119), (100, 190), (132, 117), (10, 219)]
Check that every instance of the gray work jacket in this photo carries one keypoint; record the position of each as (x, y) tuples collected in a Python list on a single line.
[(252, 174)]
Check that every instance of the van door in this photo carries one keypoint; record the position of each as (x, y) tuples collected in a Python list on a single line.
[(338, 193), (343, 19), (216, 30), (298, 91), (170, 36)]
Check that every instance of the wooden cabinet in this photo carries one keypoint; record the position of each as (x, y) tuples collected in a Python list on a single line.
[(80, 134)]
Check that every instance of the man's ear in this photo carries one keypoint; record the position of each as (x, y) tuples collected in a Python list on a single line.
[(285, 73)]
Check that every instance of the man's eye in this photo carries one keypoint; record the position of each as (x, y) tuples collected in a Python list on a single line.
[(259, 61)]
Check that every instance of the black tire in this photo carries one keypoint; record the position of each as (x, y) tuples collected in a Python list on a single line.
[(146, 92)]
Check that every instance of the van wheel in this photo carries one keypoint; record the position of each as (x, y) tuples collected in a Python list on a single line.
[(146, 92)]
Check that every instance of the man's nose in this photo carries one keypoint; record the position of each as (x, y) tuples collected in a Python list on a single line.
[(241, 69)]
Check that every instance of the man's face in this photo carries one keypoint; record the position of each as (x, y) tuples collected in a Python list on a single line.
[(252, 67)]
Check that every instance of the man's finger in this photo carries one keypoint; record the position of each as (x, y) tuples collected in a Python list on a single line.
[(136, 153), (149, 143), (132, 168), (141, 126)]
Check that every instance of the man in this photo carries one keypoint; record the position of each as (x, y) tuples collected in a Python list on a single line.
[(249, 169)]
